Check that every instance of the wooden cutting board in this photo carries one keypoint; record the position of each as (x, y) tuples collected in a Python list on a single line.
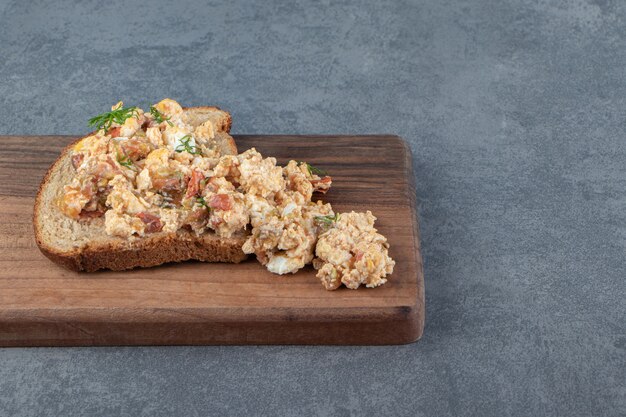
[(193, 303)]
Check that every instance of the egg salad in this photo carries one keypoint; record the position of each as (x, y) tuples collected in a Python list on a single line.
[(150, 172), (352, 253)]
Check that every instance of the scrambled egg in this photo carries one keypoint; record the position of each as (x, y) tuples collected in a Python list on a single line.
[(146, 173), (151, 172), (352, 253), (284, 232)]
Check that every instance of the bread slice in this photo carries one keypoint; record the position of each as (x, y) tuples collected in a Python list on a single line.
[(83, 245)]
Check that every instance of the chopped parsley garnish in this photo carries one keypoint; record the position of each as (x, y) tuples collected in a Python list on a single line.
[(125, 161), (313, 170), (186, 146), (158, 116), (202, 202), (326, 221), (119, 115)]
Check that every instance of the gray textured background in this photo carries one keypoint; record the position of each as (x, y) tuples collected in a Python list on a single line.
[(516, 115)]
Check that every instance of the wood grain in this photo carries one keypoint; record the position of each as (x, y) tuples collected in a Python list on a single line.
[(42, 304)]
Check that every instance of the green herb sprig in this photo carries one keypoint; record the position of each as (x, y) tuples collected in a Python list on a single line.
[(158, 116), (186, 146), (105, 120), (202, 202), (326, 221), (125, 161), (312, 169)]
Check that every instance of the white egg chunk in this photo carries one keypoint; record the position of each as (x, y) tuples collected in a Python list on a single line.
[(281, 264), (179, 139), (289, 208), (130, 126)]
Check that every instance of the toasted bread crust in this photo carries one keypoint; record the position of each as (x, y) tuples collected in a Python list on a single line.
[(147, 251), (226, 123), (68, 259), (174, 247)]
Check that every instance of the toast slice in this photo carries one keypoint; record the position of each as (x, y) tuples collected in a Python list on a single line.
[(83, 245)]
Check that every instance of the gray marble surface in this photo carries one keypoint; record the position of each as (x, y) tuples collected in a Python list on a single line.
[(516, 115)]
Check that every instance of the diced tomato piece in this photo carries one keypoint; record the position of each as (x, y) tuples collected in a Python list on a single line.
[(136, 148), (197, 214), (220, 202), (91, 214), (193, 186), (77, 159), (166, 183), (197, 217), (325, 180), (322, 185), (152, 222), (106, 169), (114, 131)]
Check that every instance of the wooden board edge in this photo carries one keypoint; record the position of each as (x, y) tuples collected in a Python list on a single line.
[(420, 307), (398, 325)]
